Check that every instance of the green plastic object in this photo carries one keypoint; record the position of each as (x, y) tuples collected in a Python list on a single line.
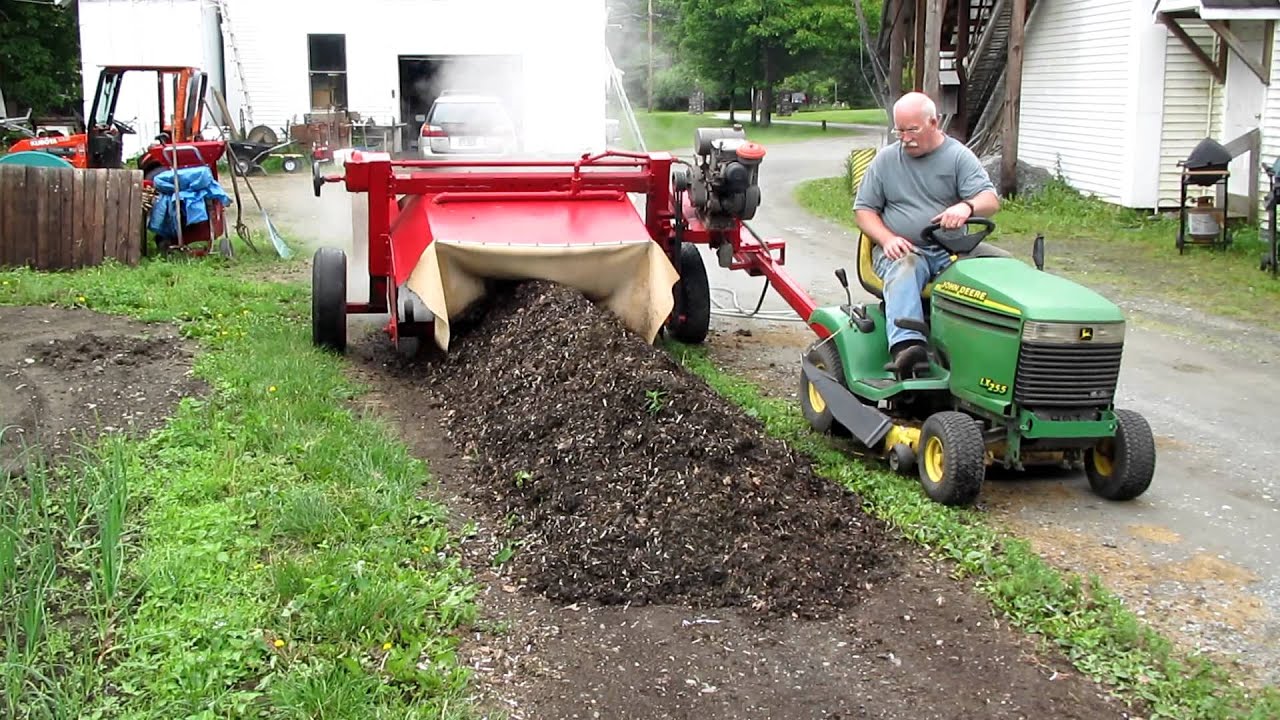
[(34, 157)]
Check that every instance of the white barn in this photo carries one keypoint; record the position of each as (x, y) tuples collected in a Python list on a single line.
[(1114, 93), (276, 61)]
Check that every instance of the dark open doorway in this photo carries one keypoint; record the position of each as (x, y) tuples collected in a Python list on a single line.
[(424, 77)]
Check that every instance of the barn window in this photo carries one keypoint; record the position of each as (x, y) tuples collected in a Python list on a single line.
[(327, 65)]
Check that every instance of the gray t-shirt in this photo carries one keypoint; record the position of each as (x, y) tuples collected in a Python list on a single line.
[(909, 192)]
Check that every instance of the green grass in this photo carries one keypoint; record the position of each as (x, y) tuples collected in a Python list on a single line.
[(1072, 614), (673, 131), (1112, 249), (862, 116), (266, 554)]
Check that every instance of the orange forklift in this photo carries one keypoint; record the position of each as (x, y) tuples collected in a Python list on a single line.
[(177, 146)]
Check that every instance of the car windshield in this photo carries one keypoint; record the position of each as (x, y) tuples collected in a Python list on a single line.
[(474, 115)]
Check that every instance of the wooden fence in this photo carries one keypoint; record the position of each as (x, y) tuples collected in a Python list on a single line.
[(62, 218)]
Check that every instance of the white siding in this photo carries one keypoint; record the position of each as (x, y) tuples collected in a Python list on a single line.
[(1074, 110), (1192, 109), (1270, 130), (563, 81)]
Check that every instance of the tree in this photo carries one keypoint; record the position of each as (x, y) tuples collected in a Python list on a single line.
[(755, 43), (40, 57)]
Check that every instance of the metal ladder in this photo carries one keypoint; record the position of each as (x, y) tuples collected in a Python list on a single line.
[(247, 108)]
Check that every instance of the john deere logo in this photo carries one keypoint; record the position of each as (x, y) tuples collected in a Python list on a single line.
[(1086, 333)]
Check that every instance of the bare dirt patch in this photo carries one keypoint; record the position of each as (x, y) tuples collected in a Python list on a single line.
[(677, 562), (71, 375)]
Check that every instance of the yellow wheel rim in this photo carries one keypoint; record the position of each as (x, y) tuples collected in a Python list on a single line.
[(933, 460), (1102, 458), (815, 399)]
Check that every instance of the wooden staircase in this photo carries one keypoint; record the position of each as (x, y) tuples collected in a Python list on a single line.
[(981, 69)]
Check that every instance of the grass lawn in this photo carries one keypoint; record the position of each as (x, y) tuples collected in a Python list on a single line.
[(1113, 250), (862, 116), (673, 131)]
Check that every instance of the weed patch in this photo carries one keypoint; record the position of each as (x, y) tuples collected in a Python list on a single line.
[(263, 554)]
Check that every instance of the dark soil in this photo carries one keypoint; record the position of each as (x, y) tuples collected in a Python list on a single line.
[(68, 376), (621, 505), (632, 481)]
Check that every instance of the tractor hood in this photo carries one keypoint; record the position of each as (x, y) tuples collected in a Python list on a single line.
[(1013, 287)]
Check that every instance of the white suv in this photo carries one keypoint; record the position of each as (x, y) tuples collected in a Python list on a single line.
[(467, 125)]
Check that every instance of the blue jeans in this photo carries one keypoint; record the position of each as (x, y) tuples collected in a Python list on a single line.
[(905, 278)]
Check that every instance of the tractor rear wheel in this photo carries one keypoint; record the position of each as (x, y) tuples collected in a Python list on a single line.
[(691, 313), (951, 458), (824, 357), (1121, 468), (329, 299)]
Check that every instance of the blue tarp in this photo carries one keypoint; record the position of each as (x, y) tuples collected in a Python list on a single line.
[(197, 185)]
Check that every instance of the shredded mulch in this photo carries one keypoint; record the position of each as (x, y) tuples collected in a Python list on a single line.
[(629, 479)]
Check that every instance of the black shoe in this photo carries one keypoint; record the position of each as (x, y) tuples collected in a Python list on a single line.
[(907, 356)]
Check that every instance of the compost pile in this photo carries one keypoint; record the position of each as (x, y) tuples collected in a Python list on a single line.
[(630, 479)]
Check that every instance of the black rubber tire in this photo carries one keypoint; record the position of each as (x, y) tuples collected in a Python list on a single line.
[(825, 357), (691, 314), (291, 165), (1131, 459), (329, 299), (902, 459), (961, 455)]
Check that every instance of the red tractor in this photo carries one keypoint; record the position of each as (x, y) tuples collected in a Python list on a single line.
[(177, 146)]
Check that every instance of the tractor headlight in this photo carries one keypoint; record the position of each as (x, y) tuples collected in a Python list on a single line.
[(1108, 333)]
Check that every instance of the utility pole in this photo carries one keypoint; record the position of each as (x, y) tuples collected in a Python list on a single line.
[(650, 77), (932, 49), (1012, 101)]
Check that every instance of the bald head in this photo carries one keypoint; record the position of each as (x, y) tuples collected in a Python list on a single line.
[(915, 121)]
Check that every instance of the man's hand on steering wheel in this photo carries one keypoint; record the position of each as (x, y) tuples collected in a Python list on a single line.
[(954, 216)]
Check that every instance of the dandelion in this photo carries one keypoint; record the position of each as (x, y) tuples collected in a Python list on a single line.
[(271, 389), (386, 646), (80, 299), (279, 643)]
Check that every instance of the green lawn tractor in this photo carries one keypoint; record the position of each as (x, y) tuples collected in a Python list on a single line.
[(1022, 369)]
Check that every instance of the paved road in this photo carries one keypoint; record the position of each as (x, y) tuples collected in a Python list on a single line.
[(1196, 554)]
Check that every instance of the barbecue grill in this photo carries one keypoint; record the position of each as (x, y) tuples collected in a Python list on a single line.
[(1205, 222)]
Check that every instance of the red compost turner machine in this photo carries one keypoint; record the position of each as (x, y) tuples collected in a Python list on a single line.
[(621, 227)]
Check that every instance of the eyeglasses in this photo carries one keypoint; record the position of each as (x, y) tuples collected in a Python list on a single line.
[(899, 132)]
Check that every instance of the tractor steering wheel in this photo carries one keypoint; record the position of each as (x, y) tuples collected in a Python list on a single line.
[(959, 245)]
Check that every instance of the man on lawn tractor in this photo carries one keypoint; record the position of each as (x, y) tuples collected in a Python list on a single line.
[(926, 177), (968, 357)]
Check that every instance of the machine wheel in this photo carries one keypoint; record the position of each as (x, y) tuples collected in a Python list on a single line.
[(1121, 468), (329, 299), (691, 313), (825, 357), (290, 165), (951, 459), (902, 459)]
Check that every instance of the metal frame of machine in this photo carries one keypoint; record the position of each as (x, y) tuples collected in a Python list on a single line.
[(684, 205)]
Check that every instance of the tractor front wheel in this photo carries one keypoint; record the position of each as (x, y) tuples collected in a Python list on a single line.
[(1121, 467), (329, 299), (691, 313), (951, 458), (824, 357)]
